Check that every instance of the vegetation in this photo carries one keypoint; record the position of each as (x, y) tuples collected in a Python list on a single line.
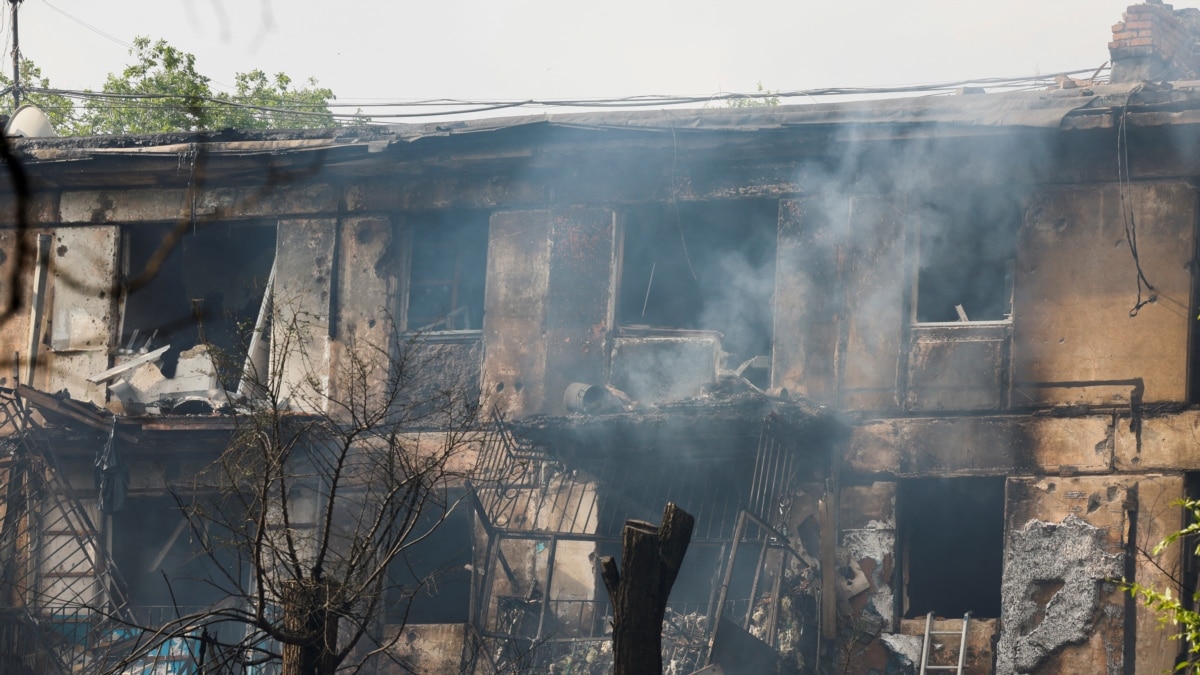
[(765, 98), (58, 108), (1173, 611), (308, 519), (161, 91)]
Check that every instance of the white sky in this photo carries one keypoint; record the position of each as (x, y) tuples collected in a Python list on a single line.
[(516, 49)]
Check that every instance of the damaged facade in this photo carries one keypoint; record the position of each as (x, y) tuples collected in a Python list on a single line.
[(899, 358)]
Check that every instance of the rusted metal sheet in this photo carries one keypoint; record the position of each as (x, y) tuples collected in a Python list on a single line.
[(1076, 285), (875, 301), (518, 273), (82, 310), (957, 366), (805, 331), (72, 411)]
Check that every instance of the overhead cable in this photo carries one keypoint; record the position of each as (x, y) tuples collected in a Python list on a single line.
[(450, 106)]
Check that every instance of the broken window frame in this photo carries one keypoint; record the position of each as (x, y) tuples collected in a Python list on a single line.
[(917, 256), (233, 371), (679, 214), (442, 327)]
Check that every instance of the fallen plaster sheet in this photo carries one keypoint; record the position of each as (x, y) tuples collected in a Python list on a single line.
[(905, 648), (875, 545), (1071, 553), (141, 387)]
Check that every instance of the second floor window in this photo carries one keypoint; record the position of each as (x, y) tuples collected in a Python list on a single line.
[(702, 266), (447, 271), (966, 248)]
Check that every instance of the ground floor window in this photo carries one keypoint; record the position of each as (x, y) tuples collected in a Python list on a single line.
[(952, 545)]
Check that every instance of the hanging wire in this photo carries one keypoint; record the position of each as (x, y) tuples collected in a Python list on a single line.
[(1127, 213), (675, 204)]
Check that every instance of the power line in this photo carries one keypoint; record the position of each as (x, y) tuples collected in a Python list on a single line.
[(89, 26), (419, 108)]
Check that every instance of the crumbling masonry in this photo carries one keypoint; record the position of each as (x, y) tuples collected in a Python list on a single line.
[(898, 358)]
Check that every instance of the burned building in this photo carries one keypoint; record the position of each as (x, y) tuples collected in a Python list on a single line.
[(904, 360)]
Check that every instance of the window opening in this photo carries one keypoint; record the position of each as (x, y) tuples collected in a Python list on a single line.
[(447, 271), (208, 288), (165, 563), (430, 581), (702, 266), (966, 251), (952, 536)]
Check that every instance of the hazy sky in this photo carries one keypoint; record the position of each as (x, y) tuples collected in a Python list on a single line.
[(516, 49)]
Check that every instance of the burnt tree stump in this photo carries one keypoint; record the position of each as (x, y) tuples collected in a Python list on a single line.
[(651, 557)]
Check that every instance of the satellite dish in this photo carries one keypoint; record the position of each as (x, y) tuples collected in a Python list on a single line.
[(29, 122)]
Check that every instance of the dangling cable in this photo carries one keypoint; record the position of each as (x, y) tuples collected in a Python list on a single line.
[(1127, 215)]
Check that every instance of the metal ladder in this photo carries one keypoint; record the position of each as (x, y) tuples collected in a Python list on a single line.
[(962, 644)]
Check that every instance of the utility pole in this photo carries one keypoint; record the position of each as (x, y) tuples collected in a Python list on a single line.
[(16, 87)]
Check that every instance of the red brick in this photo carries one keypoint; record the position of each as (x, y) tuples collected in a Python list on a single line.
[(1138, 25), (1139, 42), (1122, 51)]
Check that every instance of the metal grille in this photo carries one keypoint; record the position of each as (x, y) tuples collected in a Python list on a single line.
[(530, 502), (776, 467), (521, 486), (63, 587)]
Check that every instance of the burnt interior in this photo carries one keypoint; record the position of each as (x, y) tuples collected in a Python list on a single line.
[(702, 266), (447, 271), (208, 288), (165, 562), (952, 534), (736, 466), (430, 581), (967, 244)]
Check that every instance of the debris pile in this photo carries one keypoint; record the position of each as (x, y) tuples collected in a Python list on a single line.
[(138, 383)]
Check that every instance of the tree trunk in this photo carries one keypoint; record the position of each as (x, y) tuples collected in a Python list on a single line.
[(650, 562), (307, 614)]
